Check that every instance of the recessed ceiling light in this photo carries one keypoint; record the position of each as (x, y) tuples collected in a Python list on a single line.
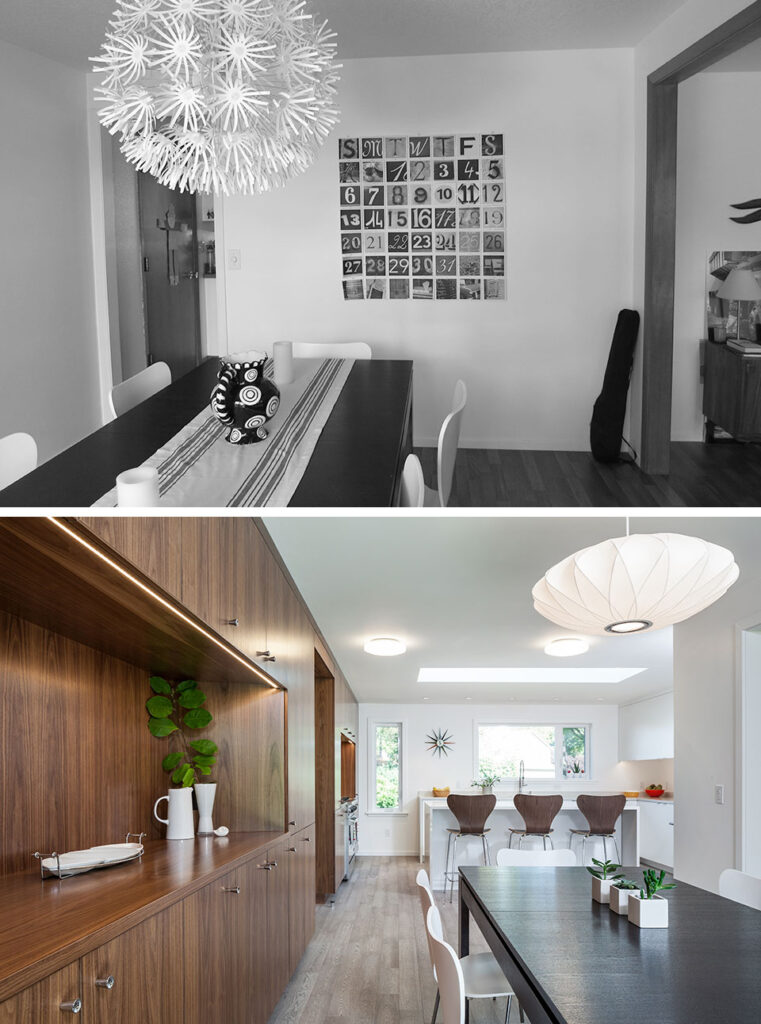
[(385, 646), (526, 675), (567, 647), (468, 698), (426, 698)]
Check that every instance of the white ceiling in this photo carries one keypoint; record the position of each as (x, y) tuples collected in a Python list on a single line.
[(70, 31), (458, 590)]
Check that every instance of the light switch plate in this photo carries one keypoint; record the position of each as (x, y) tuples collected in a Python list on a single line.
[(234, 261), (718, 794)]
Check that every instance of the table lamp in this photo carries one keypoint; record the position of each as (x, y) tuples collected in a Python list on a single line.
[(741, 285)]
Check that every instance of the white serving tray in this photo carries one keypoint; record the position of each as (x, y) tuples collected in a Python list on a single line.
[(78, 861)]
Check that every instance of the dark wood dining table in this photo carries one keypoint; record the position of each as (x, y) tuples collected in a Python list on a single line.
[(573, 961), (357, 461)]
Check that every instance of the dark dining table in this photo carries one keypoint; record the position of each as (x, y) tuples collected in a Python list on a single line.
[(357, 461), (573, 961)]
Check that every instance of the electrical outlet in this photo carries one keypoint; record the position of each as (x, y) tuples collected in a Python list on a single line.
[(234, 261), (718, 794)]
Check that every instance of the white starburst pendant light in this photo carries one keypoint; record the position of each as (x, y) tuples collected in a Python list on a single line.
[(230, 96), (634, 583)]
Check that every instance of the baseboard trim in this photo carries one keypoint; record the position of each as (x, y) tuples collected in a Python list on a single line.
[(510, 444), (388, 853)]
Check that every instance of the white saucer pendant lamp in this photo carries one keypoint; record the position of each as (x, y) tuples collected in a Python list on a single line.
[(225, 96), (636, 583)]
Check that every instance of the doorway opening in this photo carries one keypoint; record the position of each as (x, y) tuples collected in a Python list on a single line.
[(748, 855)]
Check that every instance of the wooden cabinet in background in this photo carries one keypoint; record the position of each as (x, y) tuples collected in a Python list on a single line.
[(301, 883), (153, 544), (50, 1001), (145, 968), (278, 969), (732, 392)]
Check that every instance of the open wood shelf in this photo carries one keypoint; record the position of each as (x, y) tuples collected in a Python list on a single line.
[(59, 576)]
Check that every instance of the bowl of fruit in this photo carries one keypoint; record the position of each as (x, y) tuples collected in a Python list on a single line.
[(655, 790)]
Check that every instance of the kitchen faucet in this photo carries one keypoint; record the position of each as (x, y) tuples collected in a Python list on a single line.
[(521, 777)]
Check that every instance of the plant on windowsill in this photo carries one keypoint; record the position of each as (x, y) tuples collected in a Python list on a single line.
[(486, 781), (174, 708), (620, 892), (603, 877), (646, 908)]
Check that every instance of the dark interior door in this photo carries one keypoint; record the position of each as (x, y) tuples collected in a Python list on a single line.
[(170, 275)]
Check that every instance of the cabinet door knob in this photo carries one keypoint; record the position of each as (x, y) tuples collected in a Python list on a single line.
[(265, 656), (291, 822), (105, 982), (306, 839), (264, 867), (231, 888), (72, 1006), (232, 622), (291, 849), (272, 863)]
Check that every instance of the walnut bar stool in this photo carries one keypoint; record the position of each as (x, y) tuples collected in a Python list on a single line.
[(602, 814), (538, 813), (471, 813)]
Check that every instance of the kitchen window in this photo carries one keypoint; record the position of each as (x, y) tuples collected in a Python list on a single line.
[(549, 752), (385, 774)]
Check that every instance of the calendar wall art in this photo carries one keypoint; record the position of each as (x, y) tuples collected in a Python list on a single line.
[(423, 217)]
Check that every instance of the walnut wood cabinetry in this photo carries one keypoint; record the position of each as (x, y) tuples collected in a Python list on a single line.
[(300, 851), (42, 1003), (732, 392), (137, 976)]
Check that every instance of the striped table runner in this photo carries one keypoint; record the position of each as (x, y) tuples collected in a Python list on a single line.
[(198, 468)]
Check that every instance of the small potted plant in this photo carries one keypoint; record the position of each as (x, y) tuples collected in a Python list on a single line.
[(486, 781), (620, 892), (602, 878), (646, 908), (655, 790)]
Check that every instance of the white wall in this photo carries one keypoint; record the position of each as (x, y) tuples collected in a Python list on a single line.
[(705, 735), (49, 366), (646, 729), (718, 158), (533, 364), (393, 834), (686, 26)]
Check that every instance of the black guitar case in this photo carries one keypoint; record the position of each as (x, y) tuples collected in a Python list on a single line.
[(606, 428)]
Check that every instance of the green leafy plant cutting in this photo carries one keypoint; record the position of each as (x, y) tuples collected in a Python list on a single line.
[(173, 709), (653, 883), (625, 883), (485, 780), (604, 870)]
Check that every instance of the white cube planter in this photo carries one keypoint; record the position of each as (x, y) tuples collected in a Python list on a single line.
[(619, 899), (652, 913), (601, 889)]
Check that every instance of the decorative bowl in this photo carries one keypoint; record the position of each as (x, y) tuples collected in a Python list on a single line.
[(655, 792), (631, 793), (441, 792)]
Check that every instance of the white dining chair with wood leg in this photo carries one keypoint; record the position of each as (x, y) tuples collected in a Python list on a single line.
[(332, 350), (740, 887), (18, 456), (412, 490), (134, 390), (449, 438), (483, 978)]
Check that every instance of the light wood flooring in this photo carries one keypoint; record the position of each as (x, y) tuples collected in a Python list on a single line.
[(702, 475), (368, 961)]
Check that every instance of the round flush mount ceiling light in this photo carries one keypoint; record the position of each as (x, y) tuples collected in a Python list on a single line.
[(635, 583), (385, 646), (230, 96), (567, 647)]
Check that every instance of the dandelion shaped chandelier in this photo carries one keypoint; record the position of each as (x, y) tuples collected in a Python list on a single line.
[(231, 96)]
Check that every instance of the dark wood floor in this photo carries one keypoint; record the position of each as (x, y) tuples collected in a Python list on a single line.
[(709, 475)]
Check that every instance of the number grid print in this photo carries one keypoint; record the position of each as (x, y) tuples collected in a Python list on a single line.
[(423, 216)]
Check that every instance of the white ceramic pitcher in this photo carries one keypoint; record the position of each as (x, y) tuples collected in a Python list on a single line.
[(179, 820)]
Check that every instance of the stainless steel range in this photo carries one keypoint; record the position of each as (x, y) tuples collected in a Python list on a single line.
[(351, 830)]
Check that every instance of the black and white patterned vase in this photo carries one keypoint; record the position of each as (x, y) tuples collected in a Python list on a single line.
[(244, 399)]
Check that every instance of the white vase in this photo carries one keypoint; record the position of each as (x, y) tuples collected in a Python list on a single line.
[(652, 913), (205, 792), (601, 889), (179, 819), (619, 899)]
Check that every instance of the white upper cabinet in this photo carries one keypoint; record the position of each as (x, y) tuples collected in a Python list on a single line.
[(646, 729)]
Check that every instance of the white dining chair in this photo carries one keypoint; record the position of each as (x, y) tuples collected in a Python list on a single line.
[(536, 858), (131, 392), (18, 456), (449, 973), (740, 887), (412, 492), (483, 978), (449, 437), (332, 350)]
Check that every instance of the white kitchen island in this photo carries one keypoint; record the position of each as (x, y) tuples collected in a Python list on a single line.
[(435, 818)]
